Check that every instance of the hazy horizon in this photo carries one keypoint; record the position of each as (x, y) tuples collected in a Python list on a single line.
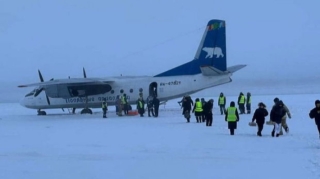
[(277, 40)]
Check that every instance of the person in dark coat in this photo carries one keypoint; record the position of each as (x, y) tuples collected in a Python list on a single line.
[(315, 114), (276, 115), (150, 106), (203, 113), (259, 116), (232, 116), (186, 107), (207, 110), (248, 103), (189, 99), (156, 104), (181, 101)]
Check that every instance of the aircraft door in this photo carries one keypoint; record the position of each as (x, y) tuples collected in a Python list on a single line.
[(153, 89)]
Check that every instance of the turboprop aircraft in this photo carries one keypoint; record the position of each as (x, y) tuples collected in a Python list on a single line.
[(206, 70)]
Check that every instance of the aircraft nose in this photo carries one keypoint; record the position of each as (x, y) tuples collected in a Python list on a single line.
[(23, 102)]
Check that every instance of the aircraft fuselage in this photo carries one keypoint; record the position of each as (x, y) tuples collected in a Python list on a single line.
[(166, 88)]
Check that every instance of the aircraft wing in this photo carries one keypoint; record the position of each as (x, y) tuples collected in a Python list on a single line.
[(71, 81)]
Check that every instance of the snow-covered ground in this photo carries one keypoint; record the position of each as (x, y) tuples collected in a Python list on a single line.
[(62, 145)]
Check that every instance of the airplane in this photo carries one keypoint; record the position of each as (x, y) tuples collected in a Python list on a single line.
[(206, 70)]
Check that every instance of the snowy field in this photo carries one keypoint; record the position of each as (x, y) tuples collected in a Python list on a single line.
[(66, 146)]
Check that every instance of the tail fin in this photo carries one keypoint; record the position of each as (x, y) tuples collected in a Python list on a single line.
[(211, 52)]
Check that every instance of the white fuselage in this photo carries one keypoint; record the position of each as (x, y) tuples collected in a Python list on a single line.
[(167, 88)]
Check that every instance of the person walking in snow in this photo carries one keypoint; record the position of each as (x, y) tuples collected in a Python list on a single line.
[(284, 124), (315, 114), (222, 103), (232, 117), (241, 103), (248, 103), (207, 110), (259, 116), (276, 115), (197, 110), (203, 102)]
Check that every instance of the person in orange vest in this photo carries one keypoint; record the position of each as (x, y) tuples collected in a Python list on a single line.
[(232, 117), (197, 110)]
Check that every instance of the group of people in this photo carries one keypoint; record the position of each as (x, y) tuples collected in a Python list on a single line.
[(153, 104), (122, 104), (278, 114), (278, 117), (203, 112), (243, 103), (202, 109)]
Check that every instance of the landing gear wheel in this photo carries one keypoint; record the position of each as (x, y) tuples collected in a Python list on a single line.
[(86, 111), (42, 113)]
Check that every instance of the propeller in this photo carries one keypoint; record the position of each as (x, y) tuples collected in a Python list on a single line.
[(84, 73), (41, 89)]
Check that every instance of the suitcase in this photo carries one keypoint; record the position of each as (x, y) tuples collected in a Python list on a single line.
[(270, 123), (133, 113)]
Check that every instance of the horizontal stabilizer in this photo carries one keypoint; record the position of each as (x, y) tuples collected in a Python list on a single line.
[(235, 68), (210, 71)]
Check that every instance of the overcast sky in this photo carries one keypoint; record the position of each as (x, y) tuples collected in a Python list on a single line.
[(275, 38)]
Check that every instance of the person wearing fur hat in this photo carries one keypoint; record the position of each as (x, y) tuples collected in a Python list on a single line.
[(276, 115), (315, 114), (259, 116), (284, 124), (232, 116)]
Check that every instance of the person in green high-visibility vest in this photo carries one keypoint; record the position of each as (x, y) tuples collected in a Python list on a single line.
[(124, 103), (222, 103), (140, 106), (248, 103), (197, 110), (232, 117), (241, 103)]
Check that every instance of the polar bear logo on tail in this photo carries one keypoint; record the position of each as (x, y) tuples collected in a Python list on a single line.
[(213, 51)]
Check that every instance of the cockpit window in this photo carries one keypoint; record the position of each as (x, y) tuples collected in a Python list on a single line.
[(31, 93)]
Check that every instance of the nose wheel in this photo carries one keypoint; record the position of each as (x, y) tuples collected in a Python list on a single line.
[(86, 110)]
